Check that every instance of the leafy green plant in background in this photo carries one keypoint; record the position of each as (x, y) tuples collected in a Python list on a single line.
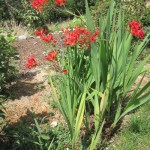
[(23, 13), (78, 21), (134, 9), (139, 11), (1, 113), (7, 57)]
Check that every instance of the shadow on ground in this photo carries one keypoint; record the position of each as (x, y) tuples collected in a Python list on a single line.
[(25, 85), (21, 89), (21, 134)]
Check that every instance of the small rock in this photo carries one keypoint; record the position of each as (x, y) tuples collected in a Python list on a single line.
[(54, 124), (22, 37)]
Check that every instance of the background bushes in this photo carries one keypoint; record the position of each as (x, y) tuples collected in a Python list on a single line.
[(22, 12), (133, 9), (7, 57)]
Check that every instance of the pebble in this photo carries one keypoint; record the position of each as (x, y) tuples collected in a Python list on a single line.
[(53, 124), (22, 37)]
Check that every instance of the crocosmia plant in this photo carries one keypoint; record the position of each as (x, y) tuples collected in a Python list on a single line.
[(97, 72)]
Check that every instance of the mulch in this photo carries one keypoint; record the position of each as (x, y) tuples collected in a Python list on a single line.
[(34, 46), (29, 90)]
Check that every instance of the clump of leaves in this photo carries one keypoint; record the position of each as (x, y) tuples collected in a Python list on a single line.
[(8, 55)]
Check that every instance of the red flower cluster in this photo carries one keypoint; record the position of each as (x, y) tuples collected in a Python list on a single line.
[(47, 38), (79, 35), (40, 32), (136, 29), (60, 2), (31, 62), (38, 4), (51, 56)]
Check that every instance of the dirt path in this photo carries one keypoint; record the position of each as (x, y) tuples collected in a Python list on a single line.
[(30, 92)]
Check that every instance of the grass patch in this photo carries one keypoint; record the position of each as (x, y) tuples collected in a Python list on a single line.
[(16, 29), (53, 27), (136, 134)]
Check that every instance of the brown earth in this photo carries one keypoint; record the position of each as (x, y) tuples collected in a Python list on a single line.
[(35, 46), (31, 93)]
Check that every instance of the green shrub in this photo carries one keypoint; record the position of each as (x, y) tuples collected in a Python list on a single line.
[(133, 10), (97, 89), (22, 12), (137, 10), (7, 56), (146, 17)]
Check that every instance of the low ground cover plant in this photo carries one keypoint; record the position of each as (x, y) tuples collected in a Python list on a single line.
[(93, 86), (132, 9), (135, 134), (8, 55)]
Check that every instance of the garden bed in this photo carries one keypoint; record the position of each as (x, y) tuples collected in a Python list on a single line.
[(35, 46)]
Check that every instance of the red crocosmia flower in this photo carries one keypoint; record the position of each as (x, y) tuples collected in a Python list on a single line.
[(134, 24), (140, 33), (60, 2), (136, 29), (51, 56), (47, 38), (96, 33), (38, 4), (79, 35), (31, 62), (40, 32), (64, 71), (92, 39)]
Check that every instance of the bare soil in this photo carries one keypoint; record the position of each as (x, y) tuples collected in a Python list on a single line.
[(31, 91)]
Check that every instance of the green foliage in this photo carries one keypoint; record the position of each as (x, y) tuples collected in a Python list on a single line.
[(71, 105), (135, 134), (78, 21), (7, 58), (134, 9), (22, 12), (100, 81), (137, 10), (28, 16), (79, 6), (1, 112), (99, 9), (145, 19), (38, 136)]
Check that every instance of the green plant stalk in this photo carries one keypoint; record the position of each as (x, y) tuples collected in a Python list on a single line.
[(104, 80), (112, 76)]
